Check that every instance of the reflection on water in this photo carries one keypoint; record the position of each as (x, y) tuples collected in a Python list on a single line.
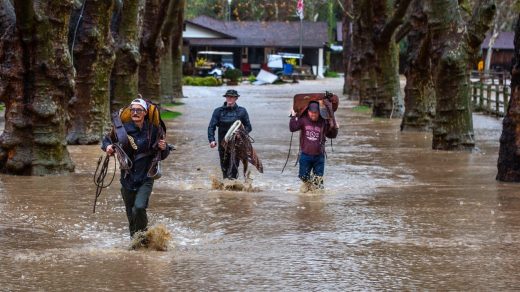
[(394, 215)]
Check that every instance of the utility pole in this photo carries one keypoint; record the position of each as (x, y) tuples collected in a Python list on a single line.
[(299, 10)]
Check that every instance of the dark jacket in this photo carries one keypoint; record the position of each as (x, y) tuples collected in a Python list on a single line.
[(137, 175), (312, 134), (223, 117)]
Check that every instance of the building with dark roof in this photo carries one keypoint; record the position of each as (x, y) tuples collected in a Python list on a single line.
[(503, 50), (252, 41)]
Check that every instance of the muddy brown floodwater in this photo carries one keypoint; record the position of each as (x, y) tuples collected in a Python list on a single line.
[(395, 214)]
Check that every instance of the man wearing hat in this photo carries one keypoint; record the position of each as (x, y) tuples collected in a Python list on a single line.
[(223, 117), (136, 185), (313, 132)]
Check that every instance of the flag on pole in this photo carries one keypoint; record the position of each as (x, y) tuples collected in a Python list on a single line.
[(299, 9)]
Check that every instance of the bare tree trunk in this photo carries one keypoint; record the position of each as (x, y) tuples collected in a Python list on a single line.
[(124, 76), (36, 87), (167, 72), (152, 48), (419, 94), (177, 48), (454, 50), (489, 52), (93, 56), (347, 41), (509, 154), (362, 53), (167, 57)]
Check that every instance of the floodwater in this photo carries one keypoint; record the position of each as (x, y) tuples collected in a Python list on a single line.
[(395, 214)]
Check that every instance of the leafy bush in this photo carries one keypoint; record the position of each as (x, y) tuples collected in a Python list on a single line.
[(233, 74), (201, 81), (251, 78)]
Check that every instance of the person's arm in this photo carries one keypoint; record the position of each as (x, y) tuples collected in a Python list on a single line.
[(244, 118), (213, 125), (106, 144), (166, 151), (295, 123)]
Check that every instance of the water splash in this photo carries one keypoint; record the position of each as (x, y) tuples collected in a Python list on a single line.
[(156, 237), (234, 185)]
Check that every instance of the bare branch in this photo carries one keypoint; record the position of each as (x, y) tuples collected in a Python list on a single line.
[(390, 27)]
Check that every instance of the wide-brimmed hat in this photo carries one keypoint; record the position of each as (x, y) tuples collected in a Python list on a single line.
[(231, 92)]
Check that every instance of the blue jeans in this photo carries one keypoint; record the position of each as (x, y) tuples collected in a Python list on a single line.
[(308, 163), (136, 203)]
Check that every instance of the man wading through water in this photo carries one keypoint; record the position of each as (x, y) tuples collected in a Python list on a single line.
[(223, 117), (313, 130), (142, 147)]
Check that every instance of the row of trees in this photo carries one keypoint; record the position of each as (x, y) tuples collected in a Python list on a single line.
[(442, 46), (264, 10), (64, 65)]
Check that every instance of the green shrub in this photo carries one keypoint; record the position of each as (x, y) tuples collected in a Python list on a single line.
[(201, 81), (251, 78), (233, 74)]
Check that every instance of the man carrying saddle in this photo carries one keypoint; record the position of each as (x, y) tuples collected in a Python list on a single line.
[(140, 140), (224, 117), (314, 129)]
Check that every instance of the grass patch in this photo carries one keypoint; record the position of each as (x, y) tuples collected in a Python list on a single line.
[(173, 104), (331, 74), (362, 109), (168, 115)]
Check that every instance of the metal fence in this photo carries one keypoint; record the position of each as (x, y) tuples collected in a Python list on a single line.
[(490, 92)]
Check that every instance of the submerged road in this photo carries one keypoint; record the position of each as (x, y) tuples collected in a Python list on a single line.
[(395, 214)]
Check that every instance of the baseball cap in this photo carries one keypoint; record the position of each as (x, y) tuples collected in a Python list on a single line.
[(314, 107), (140, 102)]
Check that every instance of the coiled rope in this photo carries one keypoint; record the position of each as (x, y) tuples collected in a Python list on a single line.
[(125, 163)]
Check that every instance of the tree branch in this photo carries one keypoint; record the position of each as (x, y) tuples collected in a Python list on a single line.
[(480, 22), (390, 27), (403, 30)]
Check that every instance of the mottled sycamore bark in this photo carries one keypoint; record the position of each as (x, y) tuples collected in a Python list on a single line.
[(509, 154), (124, 74), (36, 85), (93, 56), (347, 42), (177, 48), (166, 56), (419, 94), (374, 63), (454, 49), (152, 48), (360, 73)]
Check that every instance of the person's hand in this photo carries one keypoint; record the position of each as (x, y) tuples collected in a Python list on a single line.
[(110, 150), (162, 144), (213, 144), (293, 113)]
